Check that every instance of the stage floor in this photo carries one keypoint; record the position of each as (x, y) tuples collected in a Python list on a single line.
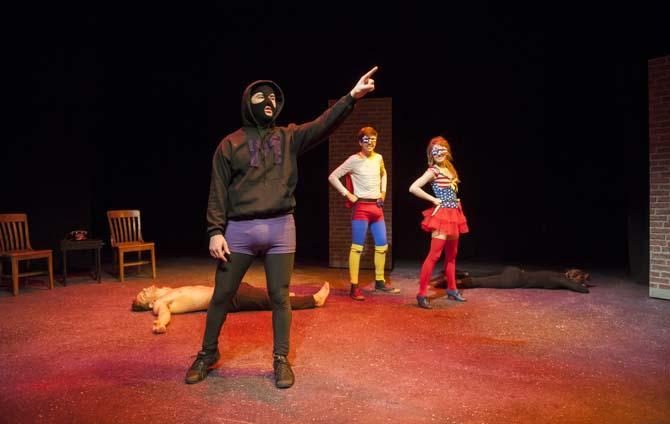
[(77, 354)]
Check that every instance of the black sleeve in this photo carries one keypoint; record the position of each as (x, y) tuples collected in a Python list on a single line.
[(218, 190), (310, 134)]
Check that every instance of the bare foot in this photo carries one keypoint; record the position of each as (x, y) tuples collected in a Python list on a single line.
[(321, 296)]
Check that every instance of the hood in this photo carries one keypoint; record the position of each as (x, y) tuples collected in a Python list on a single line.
[(248, 119)]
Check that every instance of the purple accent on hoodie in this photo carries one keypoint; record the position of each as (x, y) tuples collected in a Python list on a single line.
[(273, 143)]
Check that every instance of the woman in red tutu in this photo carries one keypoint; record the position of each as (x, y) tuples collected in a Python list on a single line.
[(445, 220)]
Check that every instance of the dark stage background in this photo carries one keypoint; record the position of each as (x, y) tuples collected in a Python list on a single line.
[(546, 109)]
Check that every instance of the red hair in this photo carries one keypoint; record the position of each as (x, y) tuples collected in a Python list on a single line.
[(369, 131), (441, 141)]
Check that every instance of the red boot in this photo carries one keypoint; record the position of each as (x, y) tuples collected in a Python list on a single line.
[(355, 293)]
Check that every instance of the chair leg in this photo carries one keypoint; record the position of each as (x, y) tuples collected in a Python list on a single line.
[(139, 258), (115, 260), (51, 272), (97, 265), (121, 265), (153, 263), (15, 276), (63, 269)]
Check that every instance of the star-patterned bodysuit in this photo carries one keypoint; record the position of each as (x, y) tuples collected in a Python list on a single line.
[(448, 219), (444, 189)]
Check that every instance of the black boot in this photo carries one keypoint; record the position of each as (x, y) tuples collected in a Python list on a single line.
[(383, 286), (200, 367), (284, 377)]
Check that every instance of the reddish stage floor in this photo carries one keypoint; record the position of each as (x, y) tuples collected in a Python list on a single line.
[(77, 354)]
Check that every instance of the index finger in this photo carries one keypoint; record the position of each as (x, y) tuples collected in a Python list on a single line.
[(370, 72)]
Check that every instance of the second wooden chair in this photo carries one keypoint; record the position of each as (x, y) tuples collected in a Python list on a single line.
[(126, 236)]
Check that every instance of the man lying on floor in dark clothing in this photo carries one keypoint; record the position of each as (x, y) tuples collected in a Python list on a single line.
[(513, 277), (164, 301)]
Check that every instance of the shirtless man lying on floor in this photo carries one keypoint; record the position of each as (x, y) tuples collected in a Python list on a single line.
[(164, 301), (513, 277)]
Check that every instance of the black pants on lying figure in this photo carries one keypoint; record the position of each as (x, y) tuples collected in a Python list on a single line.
[(516, 278), (250, 298)]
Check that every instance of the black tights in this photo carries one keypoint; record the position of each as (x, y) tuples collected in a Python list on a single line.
[(278, 269)]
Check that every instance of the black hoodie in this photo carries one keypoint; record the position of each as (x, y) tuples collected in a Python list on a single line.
[(255, 169)]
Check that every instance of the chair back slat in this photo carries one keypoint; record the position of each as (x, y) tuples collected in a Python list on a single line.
[(4, 237), (14, 231), (124, 226), (14, 234)]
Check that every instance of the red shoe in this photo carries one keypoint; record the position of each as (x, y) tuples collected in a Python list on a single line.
[(355, 293)]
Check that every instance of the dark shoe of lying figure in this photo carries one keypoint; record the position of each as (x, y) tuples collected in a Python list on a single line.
[(460, 274)]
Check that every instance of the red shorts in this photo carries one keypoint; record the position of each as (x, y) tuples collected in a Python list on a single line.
[(367, 211)]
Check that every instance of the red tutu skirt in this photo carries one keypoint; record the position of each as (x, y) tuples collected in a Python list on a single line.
[(447, 221)]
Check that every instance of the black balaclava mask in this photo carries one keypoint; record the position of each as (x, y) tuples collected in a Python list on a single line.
[(258, 110)]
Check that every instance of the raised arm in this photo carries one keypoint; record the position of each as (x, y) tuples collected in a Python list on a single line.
[(364, 85), (417, 190), (310, 134)]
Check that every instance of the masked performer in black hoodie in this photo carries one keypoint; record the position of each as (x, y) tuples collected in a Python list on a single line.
[(250, 211)]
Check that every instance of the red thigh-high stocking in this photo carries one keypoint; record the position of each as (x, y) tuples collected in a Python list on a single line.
[(450, 252), (436, 246)]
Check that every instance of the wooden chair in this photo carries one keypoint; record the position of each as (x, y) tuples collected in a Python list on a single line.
[(15, 246), (126, 236)]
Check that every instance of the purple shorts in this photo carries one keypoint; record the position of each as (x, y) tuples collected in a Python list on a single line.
[(268, 236)]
